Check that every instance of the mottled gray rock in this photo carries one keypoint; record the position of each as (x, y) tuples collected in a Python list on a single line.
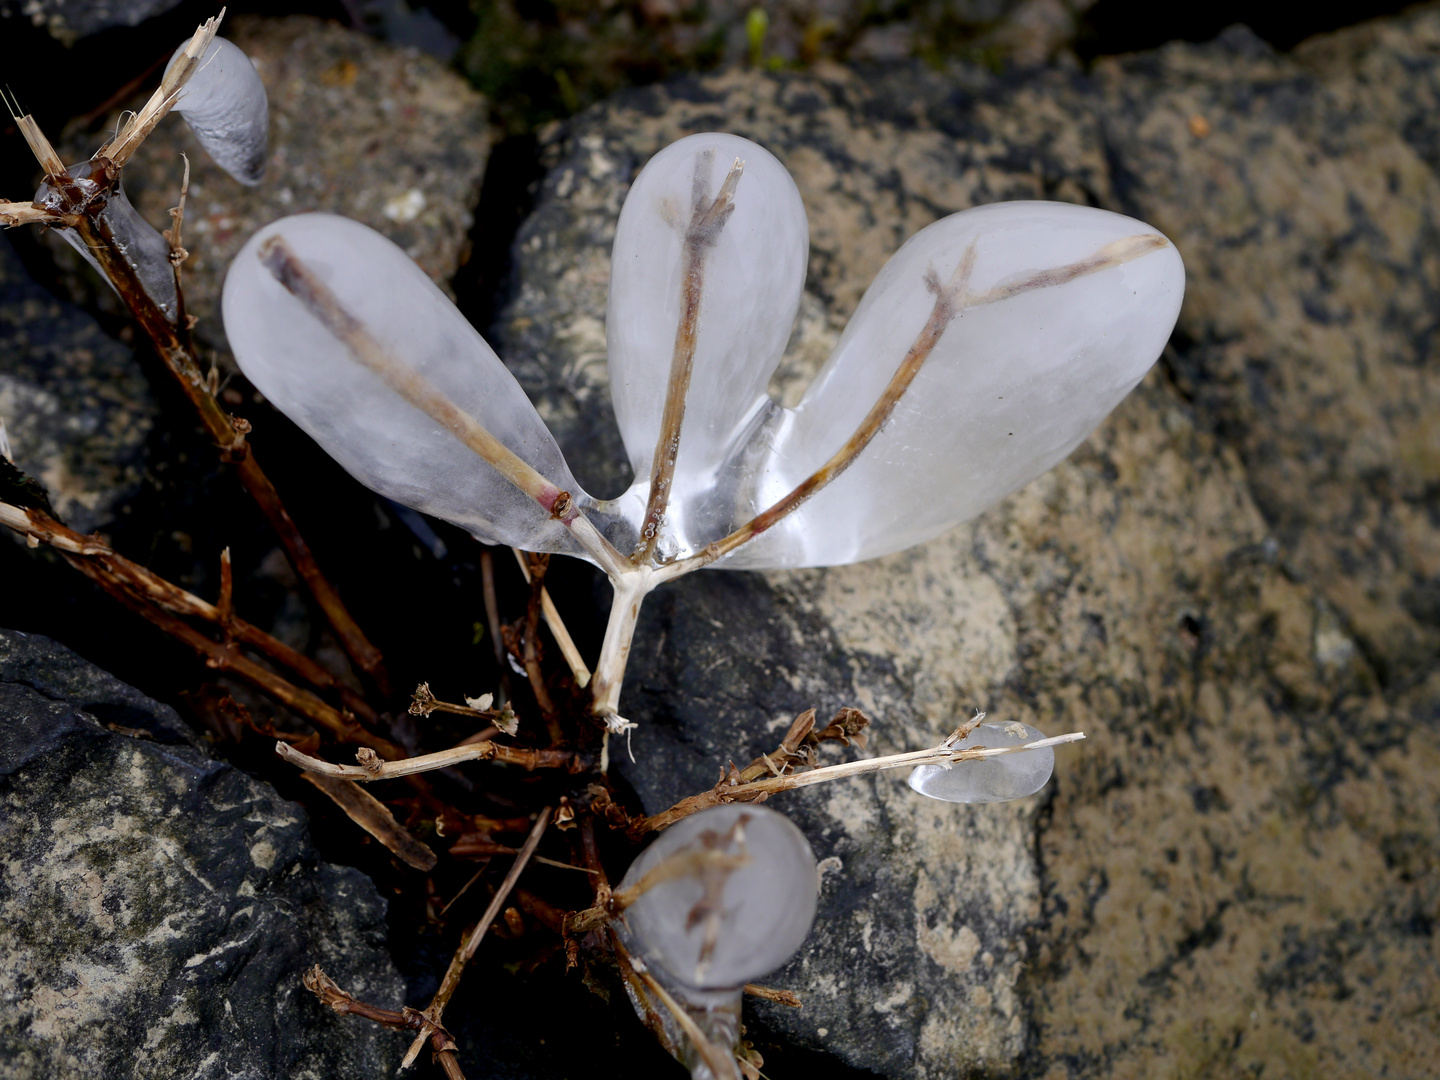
[(70, 20), (158, 907), (73, 400), (384, 135), (1230, 874)]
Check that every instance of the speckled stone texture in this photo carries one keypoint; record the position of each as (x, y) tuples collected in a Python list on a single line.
[(384, 135), (1236, 874), (157, 907), (73, 400), (69, 20)]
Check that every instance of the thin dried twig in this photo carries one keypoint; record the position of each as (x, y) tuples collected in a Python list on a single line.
[(525, 757), (730, 790), (769, 993), (120, 149), (556, 625), (375, 818), (24, 213), (530, 648), (436, 1008), (406, 1019), (163, 603), (302, 283)]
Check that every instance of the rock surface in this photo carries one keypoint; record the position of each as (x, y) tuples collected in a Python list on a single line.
[(157, 907), (72, 398), (1237, 872), (384, 135), (69, 20)]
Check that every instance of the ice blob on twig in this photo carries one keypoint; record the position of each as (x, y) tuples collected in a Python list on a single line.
[(991, 779), (225, 105)]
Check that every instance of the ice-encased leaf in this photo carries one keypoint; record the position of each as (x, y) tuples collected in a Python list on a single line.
[(752, 274), (379, 437), (1012, 386), (225, 105), (139, 242), (992, 779), (756, 915)]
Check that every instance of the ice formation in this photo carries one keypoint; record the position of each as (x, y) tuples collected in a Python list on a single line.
[(718, 926), (993, 779), (147, 252), (987, 348), (225, 106)]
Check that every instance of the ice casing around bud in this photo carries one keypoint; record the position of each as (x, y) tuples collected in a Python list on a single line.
[(765, 907), (992, 779), (224, 104), (383, 441), (750, 286), (1010, 389), (140, 243)]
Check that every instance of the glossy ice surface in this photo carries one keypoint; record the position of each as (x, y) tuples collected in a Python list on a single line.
[(756, 915), (384, 442), (225, 105), (995, 779)]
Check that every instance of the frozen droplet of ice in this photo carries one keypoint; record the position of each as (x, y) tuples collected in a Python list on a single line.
[(751, 272), (141, 244), (1014, 383), (992, 779), (380, 438), (709, 926), (225, 105)]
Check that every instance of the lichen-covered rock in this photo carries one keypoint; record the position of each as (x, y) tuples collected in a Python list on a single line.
[(74, 402), (157, 907), (384, 135), (1232, 872)]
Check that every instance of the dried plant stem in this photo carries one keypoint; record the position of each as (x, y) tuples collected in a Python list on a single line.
[(727, 792), (406, 1019), (720, 1062), (229, 434), (630, 590), (530, 648), (436, 1008), (24, 213), (302, 283), (120, 149), (707, 219), (164, 604), (375, 818), (769, 993), (556, 625), (479, 751)]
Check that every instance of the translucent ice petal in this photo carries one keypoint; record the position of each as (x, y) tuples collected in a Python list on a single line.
[(147, 252), (753, 273), (995, 779), (756, 915), (379, 437), (225, 105), (1012, 386)]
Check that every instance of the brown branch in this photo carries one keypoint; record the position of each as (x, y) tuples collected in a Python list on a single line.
[(406, 1019), (375, 818), (707, 219), (525, 757), (423, 703), (769, 993), (228, 434), (436, 1009), (163, 603), (556, 624), (530, 648), (302, 283)]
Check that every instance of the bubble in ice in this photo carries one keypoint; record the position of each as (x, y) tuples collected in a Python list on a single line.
[(993, 779), (225, 106), (733, 896)]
